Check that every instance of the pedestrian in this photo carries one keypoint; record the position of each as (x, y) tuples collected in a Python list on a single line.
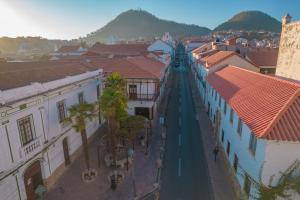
[(215, 152)]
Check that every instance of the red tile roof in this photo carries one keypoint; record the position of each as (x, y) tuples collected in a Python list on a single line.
[(263, 56), (68, 49), (135, 67), (119, 49), (18, 74), (216, 58), (269, 106)]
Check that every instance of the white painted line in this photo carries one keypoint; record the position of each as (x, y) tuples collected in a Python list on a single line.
[(179, 167), (179, 140)]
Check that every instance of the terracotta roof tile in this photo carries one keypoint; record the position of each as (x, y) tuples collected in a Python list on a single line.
[(263, 56), (18, 74), (269, 106), (68, 49), (119, 49)]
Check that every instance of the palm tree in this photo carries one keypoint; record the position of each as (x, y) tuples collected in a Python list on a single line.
[(113, 104), (78, 114)]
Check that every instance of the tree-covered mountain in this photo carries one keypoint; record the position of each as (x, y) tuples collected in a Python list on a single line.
[(251, 21), (135, 24)]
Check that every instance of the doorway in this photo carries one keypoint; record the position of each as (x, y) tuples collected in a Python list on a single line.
[(66, 151), (32, 179), (142, 111)]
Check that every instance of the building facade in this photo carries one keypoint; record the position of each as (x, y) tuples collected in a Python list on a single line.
[(36, 143)]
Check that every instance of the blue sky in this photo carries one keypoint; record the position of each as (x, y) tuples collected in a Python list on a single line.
[(68, 19)]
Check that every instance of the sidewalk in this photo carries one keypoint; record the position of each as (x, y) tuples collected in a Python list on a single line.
[(225, 185)]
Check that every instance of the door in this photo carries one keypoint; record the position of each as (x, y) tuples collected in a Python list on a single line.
[(66, 151), (142, 111), (32, 179), (132, 92)]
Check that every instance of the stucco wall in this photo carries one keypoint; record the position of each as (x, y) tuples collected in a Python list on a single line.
[(279, 157), (288, 63)]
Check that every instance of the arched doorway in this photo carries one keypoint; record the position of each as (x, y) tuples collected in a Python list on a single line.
[(32, 179)]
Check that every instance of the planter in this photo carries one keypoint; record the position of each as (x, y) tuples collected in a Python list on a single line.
[(89, 175)]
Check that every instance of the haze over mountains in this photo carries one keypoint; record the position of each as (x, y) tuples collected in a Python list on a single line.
[(137, 24)]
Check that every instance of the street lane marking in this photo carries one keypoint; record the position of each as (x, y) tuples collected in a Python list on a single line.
[(179, 167), (179, 139)]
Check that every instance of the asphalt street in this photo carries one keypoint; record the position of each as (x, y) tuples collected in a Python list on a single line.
[(185, 174)]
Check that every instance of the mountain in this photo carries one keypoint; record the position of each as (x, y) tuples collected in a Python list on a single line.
[(251, 20), (135, 24)]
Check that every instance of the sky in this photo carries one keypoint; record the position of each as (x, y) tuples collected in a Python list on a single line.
[(70, 19)]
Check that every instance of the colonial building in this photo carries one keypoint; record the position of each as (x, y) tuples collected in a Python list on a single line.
[(212, 63), (75, 50), (288, 64), (257, 121), (36, 143), (161, 46), (146, 80), (264, 58)]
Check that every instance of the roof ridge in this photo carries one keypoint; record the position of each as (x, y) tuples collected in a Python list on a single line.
[(268, 76), (277, 117)]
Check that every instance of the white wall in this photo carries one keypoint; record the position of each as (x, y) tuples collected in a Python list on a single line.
[(279, 157), (158, 45), (43, 108)]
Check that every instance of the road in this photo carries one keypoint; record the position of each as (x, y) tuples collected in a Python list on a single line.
[(185, 174)]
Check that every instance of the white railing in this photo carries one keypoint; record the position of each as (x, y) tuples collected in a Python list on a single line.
[(30, 149)]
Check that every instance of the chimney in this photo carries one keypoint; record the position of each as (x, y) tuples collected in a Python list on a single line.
[(286, 19)]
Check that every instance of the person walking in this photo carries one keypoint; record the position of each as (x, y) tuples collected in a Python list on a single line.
[(215, 152)]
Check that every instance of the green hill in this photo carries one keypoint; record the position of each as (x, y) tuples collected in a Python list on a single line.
[(134, 24), (251, 20)]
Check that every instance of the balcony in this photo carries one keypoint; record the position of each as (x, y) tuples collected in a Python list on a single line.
[(142, 97), (31, 148)]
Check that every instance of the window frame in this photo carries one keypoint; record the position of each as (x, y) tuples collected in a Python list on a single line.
[(222, 135), (252, 144), (31, 128), (240, 127), (61, 118), (235, 162), (225, 108), (231, 116), (228, 148)]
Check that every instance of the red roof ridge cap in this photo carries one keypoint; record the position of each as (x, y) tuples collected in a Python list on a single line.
[(267, 76), (281, 112), (232, 53)]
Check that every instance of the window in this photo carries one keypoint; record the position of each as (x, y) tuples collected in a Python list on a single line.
[(80, 97), (240, 127), (252, 144), (132, 92), (61, 111), (225, 107), (219, 100), (26, 129), (235, 163), (222, 136), (231, 115), (228, 148), (216, 95), (247, 184)]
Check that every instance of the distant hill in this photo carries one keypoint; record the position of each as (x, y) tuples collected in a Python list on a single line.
[(134, 24), (251, 20)]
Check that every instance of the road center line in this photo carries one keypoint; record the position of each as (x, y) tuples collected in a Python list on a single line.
[(179, 167)]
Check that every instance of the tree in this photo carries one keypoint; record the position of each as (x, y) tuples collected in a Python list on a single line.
[(113, 104), (287, 182), (131, 126), (78, 114)]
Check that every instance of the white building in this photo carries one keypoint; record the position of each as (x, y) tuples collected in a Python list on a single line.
[(146, 80), (257, 120), (161, 46), (212, 63), (36, 144), (75, 50)]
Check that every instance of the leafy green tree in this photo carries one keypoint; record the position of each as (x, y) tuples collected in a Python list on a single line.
[(78, 114), (131, 126)]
